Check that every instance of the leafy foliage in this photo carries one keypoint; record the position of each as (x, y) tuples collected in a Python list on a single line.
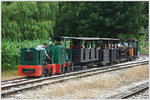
[(102, 19), (28, 20)]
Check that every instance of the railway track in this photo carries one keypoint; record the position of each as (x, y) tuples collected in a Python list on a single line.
[(17, 80), (12, 87), (131, 92)]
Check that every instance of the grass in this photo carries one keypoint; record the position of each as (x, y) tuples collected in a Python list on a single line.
[(143, 47), (10, 67), (9, 74), (144, 50), (91, 87)]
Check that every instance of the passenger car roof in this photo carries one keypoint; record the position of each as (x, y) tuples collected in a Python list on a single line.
[(87, 38), (128, 39)]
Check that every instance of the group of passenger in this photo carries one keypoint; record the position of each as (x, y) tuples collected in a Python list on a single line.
[(76, 44), (112, 46)]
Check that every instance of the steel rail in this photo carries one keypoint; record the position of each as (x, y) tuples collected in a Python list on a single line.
[(131, 92)]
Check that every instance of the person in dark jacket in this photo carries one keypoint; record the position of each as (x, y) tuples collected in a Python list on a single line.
[(58, 42)]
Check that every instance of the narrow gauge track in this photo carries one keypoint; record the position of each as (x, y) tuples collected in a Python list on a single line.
[(12, 79), (17, 80), (25, 85), (131, 92)]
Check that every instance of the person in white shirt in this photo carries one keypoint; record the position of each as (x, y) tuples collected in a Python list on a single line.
[(42, 47)]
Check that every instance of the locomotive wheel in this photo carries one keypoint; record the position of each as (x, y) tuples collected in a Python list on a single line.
[(72, 67), (50, 72), (68, 69), (81, 67), (64, 69), (61, 69), (46, 70)]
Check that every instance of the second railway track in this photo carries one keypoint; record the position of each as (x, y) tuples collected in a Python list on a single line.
[(12, 88), (131, 91)]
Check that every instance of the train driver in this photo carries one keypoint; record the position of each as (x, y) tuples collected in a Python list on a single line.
[(42, 47)]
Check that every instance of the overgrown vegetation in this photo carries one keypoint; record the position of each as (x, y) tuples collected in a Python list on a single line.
[(11, 51), (144, 47), (143, 42)]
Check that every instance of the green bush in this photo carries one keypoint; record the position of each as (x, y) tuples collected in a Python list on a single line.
[(11, 51), (143, 47)]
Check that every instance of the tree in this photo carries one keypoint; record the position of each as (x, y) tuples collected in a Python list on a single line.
[(102, 19), (28, 20)]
